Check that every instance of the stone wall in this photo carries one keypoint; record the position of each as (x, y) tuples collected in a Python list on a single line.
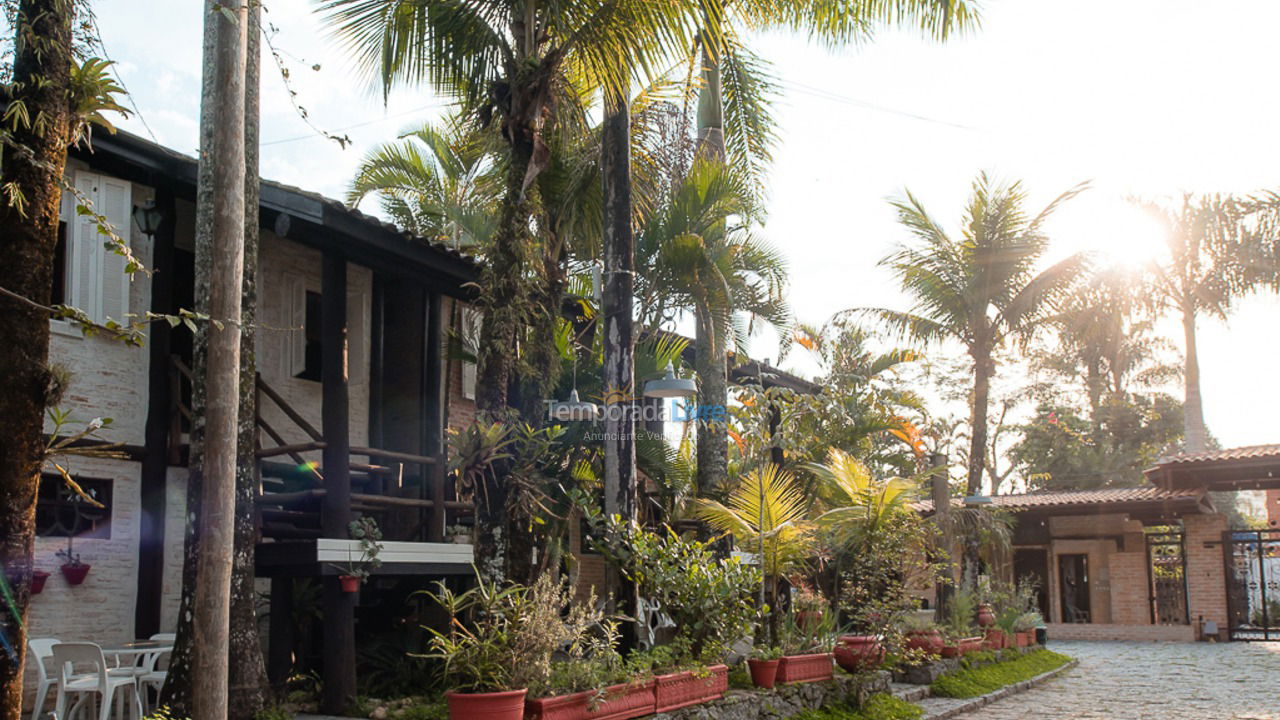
[(784, 701)]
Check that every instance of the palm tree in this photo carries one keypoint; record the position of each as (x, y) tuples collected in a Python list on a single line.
[(766, 514), (859, 505), (690, 259), (529, 67), (981, 289), (735, 125), (1216, 247), (432, 182)]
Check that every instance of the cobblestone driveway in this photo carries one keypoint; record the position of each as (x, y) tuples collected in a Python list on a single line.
[(1154, 681)]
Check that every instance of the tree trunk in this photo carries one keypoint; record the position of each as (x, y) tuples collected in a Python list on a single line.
[(212, 606), (1196, 436), (40, 80), (619, 341), (176, 693), (710, 360), (982, 372), (713, 393), (248, 672)]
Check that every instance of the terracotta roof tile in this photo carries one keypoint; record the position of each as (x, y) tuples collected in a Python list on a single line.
[(1249, 452), (1066, 498)]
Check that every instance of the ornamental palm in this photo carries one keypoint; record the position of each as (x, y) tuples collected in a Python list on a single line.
[(860, 506), (980, 289), (765, 514), (431, 182)]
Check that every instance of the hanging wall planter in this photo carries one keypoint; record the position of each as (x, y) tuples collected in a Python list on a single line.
[(38, 579), (75, 573), (350, 583)]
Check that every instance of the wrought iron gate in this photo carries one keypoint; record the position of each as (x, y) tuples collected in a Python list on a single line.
[(1253, 584), (1167, 576)]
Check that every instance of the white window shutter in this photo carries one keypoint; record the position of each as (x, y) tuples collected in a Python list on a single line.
[(115, 201), (297, 333), (471, 343), (85, 256), (357, 337)]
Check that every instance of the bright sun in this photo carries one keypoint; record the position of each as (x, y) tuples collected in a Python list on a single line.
[(1114, 230)]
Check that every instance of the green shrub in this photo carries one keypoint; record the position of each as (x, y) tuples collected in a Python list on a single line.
[(975, 681), (880, 706)]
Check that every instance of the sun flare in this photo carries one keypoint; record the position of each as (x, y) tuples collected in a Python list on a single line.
[(1113, 230)]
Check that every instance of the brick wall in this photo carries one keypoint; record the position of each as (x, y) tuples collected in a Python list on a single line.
[(1121, 633), (1273, 508), (1130, 589), (1206, 578)]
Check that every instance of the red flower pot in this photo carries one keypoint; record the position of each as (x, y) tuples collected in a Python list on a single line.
[(763, 673), (683, 689), (970, 645), (508, 705), (951, 651), (350, 583), (805, 668), (986, 617), (808, 619), (38, 578), (75, 574), (856, 653), (929, 641), (995, 640), (620, 702)]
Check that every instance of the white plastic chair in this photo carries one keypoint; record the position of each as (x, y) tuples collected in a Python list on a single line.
[(83, 671), (42, 650), (150, 678)]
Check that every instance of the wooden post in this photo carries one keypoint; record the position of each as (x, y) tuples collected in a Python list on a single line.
[(433, 420), (339, 672), (160, 409), (280, 638)]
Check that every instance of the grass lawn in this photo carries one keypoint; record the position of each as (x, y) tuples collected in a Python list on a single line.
[(972, 682)]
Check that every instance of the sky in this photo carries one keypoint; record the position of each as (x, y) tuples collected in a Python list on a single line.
[(1141, 98)]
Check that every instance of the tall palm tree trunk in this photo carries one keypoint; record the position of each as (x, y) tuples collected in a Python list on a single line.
[(41, 77), (1196, 435), (248, 671), (711, 361), (982, 371)]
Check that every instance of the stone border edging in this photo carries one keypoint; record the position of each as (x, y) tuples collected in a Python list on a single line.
[(972, 703)]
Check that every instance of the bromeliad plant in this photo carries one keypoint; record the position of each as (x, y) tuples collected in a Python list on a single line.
[(368, 535)]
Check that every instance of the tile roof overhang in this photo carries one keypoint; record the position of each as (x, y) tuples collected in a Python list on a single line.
[(300, 215), (1138, 502), (1255, 467)]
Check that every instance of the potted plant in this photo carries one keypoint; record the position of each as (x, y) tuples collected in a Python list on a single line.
[(921, 635), (809, 606), (458, 534), (806, 652), (593, 683), (356, 571), (763, 664), (38, 579), (856, 653), (1025, 628), (72, 568), (500, 641)]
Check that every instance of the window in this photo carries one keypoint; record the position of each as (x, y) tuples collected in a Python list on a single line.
[(312, 350), (61, 512), (59, 294), (92, 277), (470, 332)]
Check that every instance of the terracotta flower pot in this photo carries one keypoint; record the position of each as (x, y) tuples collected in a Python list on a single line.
[(970, 645), (508, 705), (805, 668), (620, 702), (763, 672), (995, 640), (350, 583), (856, 653), (929, 641), (951, 650), (38, 579), (986, 617), (75, 574), (808, 619), (683, 689)]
